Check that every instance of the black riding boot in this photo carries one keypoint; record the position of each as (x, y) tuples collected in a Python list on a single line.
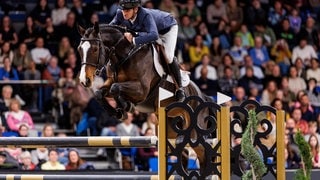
[(175, 72)]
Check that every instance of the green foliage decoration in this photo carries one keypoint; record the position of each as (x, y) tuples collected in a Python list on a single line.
[(304, 173), (250, 153)]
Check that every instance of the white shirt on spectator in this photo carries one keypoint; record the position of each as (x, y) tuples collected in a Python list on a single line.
[(314, 74), (38, 53), (257, 72), (59, 15), (307, 52), (296, 84), (212, 72)]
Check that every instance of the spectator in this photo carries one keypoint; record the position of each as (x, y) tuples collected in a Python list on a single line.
[(64, 50), (197, 50), (216, 12), (190, 9), (76, 163), (205, 62), (238, 51), (69, 29), (304, 104), (269, 93), (216, 51), (47, 131), (52, 163), (288, 96), (39, 156), (7, 73), (314, 94), (73, 62), (301, 68), (249, 81), (28, 33), (282, 54), (234, 14), (314, 70), (186, 34), (59, 13), (301, 124), (276, 14), (310, 32), (4, 164), (40, 13), (259, 53), (26, 163), (291, 154), (144, 154), (228, 82), (228, 61), (127, 128), (295, 20), (275, 76), (170, 7), (314, 148), (52, 73), (304, 51), (7, 32), (254, 14), (285, 32), (82, 12), (266, 33), (50, 36), (296, 83), (206, 85), (61, 105), (246, 36), (40, 54), (5, 51), (239, 96), (202, 30), (16, 116), (21, 59), (23, 130), (30, 91), (249, 63), (313, 130)]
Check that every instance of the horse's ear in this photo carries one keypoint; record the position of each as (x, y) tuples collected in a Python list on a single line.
[(81, 30), (96, 27)]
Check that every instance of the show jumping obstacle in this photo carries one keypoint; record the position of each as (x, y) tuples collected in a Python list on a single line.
[(223, 124)]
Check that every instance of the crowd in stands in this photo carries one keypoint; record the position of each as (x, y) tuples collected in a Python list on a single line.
[(267, 50)]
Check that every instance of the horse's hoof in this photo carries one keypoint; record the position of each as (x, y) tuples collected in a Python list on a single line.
[(130, 107), (121, 114)]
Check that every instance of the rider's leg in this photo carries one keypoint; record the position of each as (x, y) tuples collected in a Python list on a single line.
[(175, 72), (169, 41)]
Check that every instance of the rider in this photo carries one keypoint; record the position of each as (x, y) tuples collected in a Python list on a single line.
[(151, 25)]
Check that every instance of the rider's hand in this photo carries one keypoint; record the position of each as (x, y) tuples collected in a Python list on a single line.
[(128, 36)]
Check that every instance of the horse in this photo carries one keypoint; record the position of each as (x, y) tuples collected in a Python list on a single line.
[(131, 76)]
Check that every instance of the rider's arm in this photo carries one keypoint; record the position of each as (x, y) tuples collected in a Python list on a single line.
[(151, 31)]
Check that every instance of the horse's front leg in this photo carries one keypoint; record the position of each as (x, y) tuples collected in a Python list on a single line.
[(127, 94), (103, 91)]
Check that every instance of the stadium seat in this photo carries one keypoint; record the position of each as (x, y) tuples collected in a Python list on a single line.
[(17, 16)]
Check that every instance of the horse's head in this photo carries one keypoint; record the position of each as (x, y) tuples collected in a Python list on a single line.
[(99, 44), (91, 51)]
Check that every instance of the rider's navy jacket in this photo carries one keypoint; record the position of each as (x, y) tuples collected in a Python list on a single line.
[(149, 23)]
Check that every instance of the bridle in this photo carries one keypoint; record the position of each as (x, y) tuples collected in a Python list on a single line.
[(100, 65)]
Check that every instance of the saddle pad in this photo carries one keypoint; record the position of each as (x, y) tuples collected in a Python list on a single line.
[(185, 75)]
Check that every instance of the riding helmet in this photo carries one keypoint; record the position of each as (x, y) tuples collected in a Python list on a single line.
[(129, 4)]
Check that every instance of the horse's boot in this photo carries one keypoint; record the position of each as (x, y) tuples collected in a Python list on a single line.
[(175, 72)]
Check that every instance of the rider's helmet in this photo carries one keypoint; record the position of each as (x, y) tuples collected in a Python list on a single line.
[(129, 4)]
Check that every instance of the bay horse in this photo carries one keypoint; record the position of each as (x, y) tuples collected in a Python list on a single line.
[(131, 77)]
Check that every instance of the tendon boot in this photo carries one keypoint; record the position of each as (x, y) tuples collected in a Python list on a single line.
[(175, 72)]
